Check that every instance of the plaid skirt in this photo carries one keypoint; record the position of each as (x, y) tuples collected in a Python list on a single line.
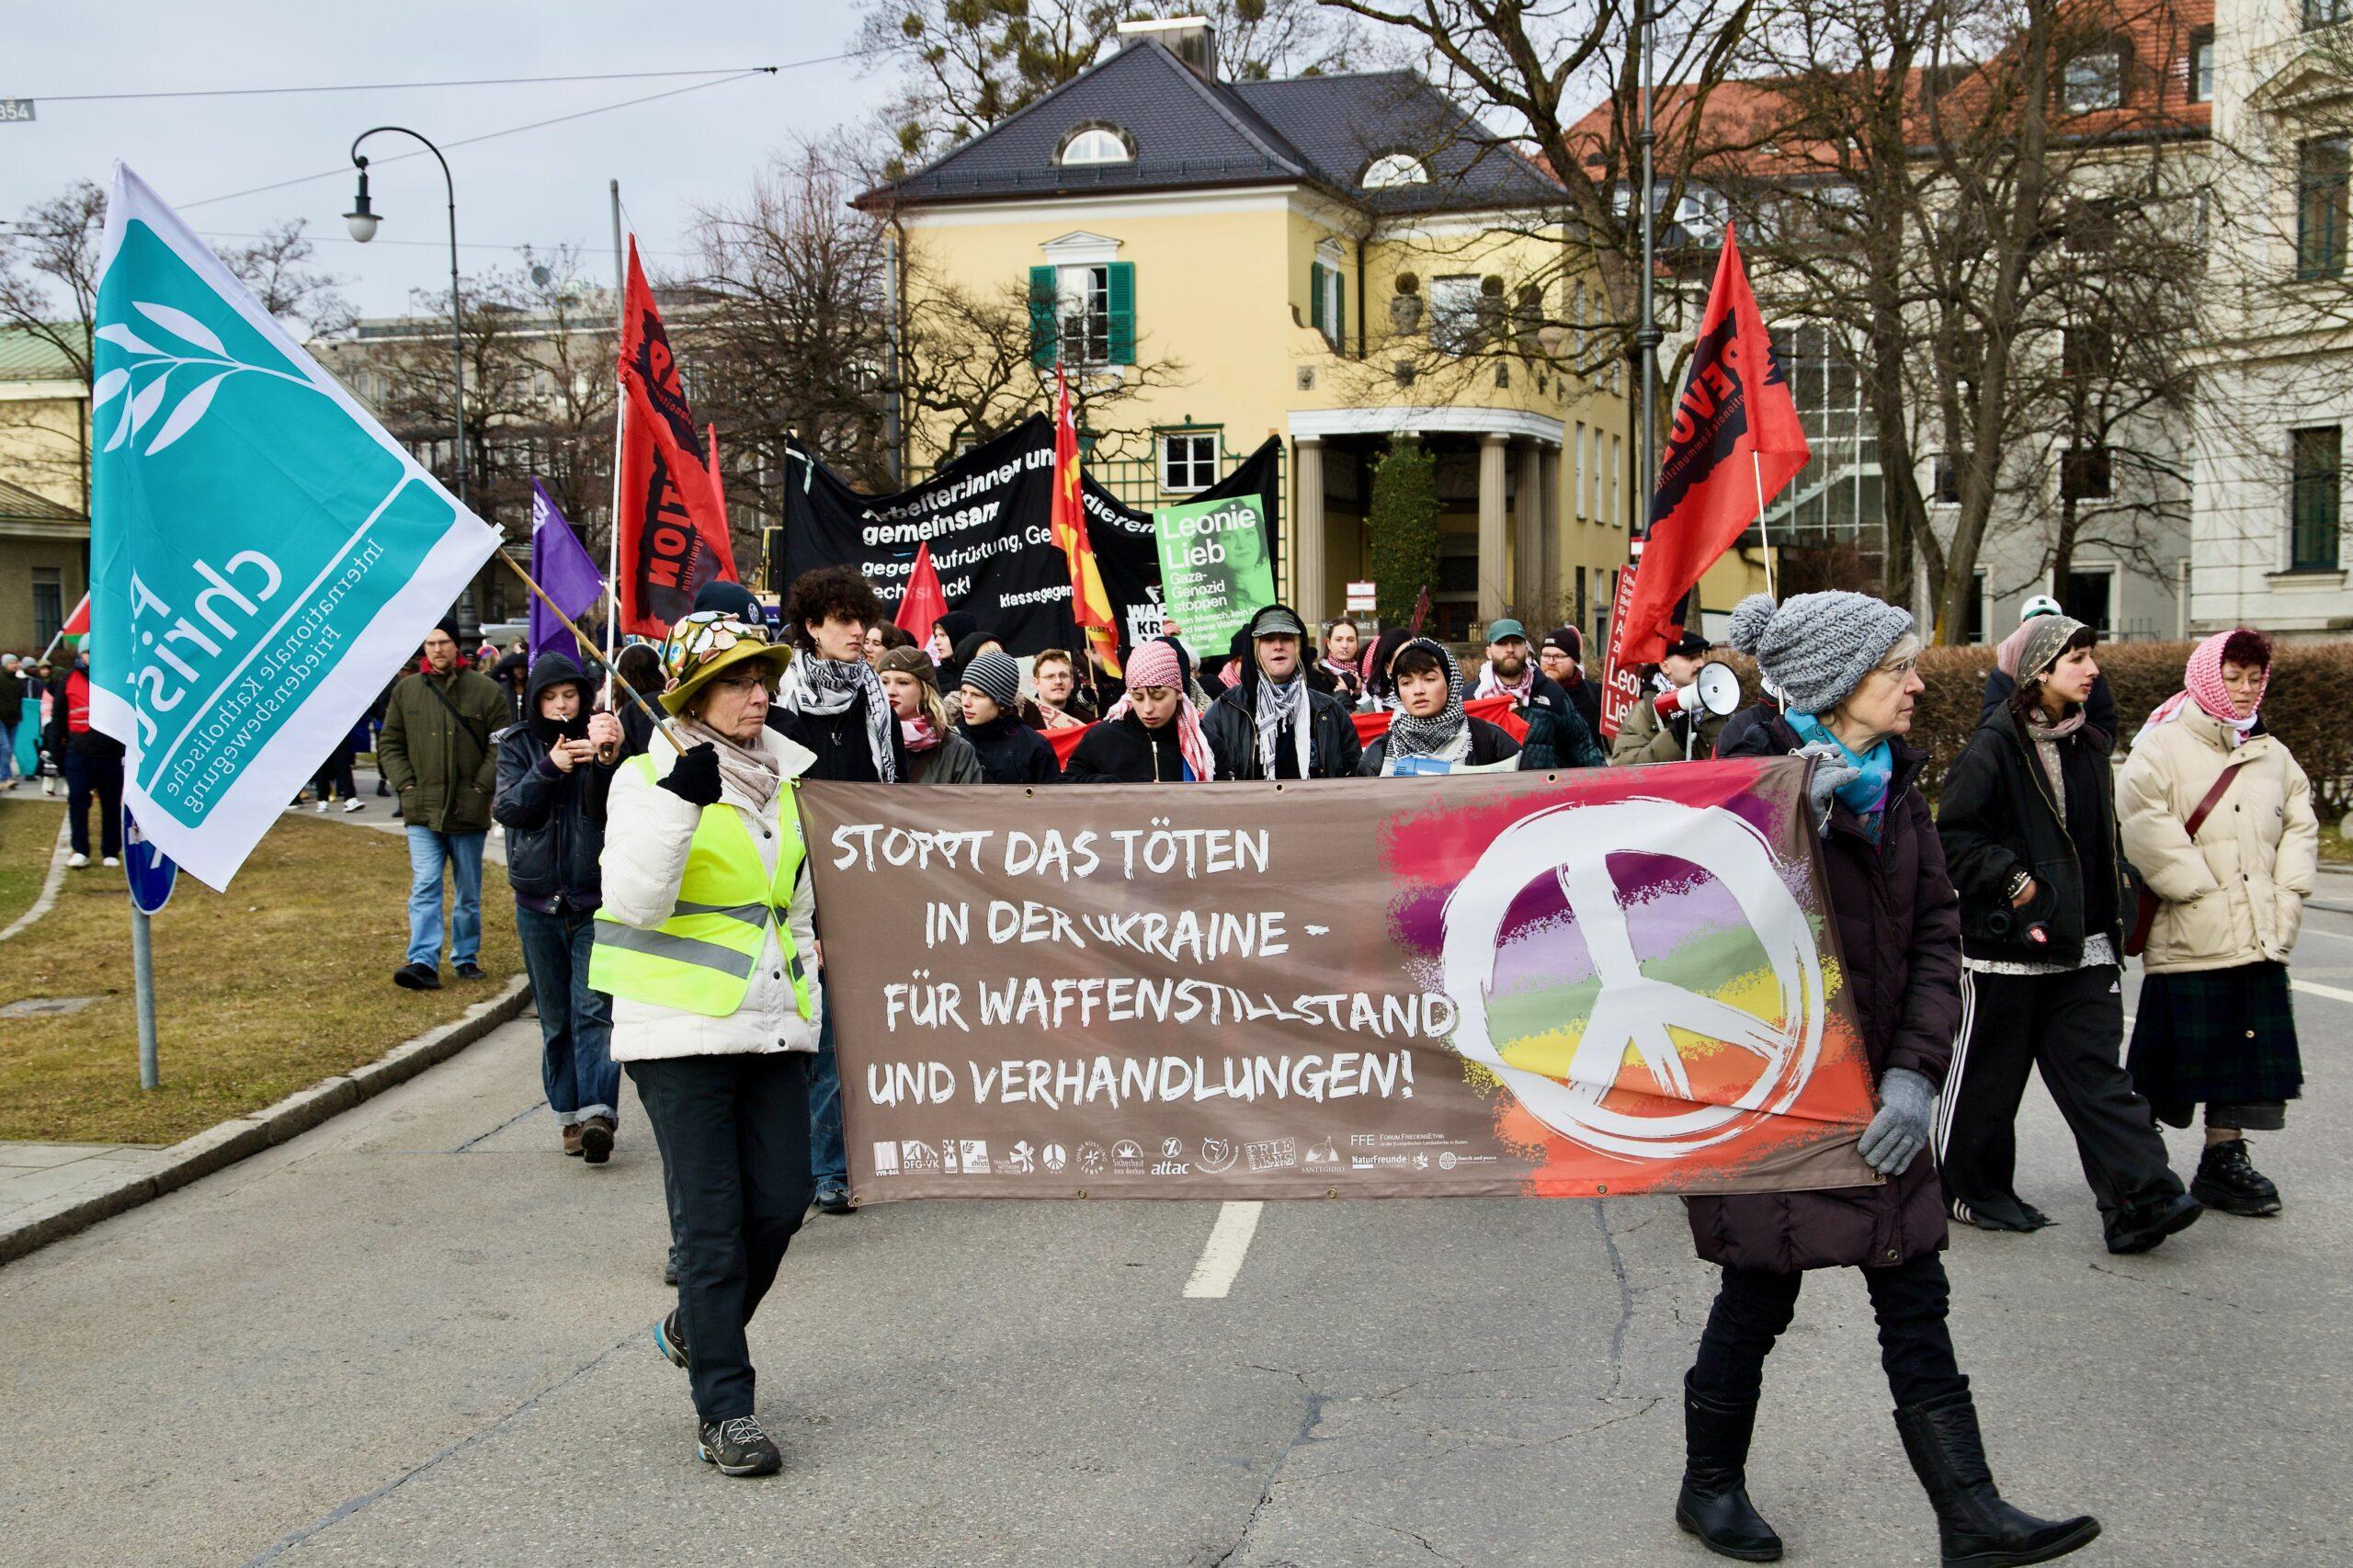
[(2215, 1034)]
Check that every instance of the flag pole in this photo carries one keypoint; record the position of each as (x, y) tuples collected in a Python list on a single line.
[(620, 434), (611, 675), (1763, 534)]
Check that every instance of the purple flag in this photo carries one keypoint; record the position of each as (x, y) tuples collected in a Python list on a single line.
[(566, 569)]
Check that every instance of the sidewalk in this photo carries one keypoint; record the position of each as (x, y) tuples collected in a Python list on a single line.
[(36, 1177), (378, 815)]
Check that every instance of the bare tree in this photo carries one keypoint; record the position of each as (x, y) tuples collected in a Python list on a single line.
[(276, 266), (48, 273)]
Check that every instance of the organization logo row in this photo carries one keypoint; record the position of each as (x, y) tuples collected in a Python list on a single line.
[(1171, 1157)]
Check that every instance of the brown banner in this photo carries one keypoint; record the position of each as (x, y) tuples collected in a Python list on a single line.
[(1551, 985)]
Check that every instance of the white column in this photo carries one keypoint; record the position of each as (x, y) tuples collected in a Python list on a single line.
[(1552, 555), (1307, 551), (1493, 537), (1529, 591)]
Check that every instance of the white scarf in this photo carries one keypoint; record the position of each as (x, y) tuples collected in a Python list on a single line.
[(826, 687), (753, 773), (1276, 706)]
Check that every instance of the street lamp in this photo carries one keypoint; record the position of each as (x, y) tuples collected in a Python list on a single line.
[(362, 221)]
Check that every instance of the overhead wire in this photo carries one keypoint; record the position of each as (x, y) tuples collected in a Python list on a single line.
[(406, 86)]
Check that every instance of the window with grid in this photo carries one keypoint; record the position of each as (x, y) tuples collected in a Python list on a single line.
[(1086, 302), (2322, 170), (2202, 65), (1842, 493), (1454, 312), (1187, 459), (2093, 80), (2325, 13), (49, 603), (2315, 488), (2083, 475)]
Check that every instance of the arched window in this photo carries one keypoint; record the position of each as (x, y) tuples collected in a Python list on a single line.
[(1392, 169), (1097, 145)]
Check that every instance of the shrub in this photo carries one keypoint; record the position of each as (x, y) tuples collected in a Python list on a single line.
[(1402, 529)]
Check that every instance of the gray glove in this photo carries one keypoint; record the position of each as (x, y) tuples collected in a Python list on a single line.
[(1832, 770), (1900, 1130)]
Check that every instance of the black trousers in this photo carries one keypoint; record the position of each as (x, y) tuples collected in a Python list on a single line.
[(1752, 1306), (733, 1132), (2071, 1027), (86, 776)]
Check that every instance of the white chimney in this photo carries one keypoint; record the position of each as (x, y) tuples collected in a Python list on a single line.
[(1189, 39)]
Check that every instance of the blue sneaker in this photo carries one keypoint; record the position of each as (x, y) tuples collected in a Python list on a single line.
[(670, 1341)]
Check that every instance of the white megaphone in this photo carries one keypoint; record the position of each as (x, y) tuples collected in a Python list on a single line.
[(1716, 690)]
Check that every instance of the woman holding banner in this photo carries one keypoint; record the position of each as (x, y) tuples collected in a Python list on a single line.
[(1153, 735), (1846, 663), (1431, 733), (706, 940), (937, 753)]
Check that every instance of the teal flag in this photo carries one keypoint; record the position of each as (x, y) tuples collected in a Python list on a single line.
[(264, 556), (1214, 572)]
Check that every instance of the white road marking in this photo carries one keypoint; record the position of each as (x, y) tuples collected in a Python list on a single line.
[(1223, 1253), (2312, 930), (2313, 987)]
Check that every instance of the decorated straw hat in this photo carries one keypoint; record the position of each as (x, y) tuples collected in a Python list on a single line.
[(710, 640)]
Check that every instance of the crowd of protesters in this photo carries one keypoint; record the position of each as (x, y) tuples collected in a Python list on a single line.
[(670, 923)]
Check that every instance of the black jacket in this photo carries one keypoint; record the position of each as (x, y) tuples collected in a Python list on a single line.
[(1997, 816), (1121, 751), (12, 696), (839, 742), (1558, 735), (1586, 698), (554, 820), (1011, 752), (1334, 749), (2099, 709), (1490, 743)]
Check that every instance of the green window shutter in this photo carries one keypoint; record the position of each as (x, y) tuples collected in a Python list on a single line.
[(1123, 312), (1316, 297), (1340, 308), (1044, 289)]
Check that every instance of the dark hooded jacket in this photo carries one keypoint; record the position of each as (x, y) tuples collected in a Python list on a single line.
[(1557, 735), (1334, 749), (1998, 815), (2099, 708), (554, 820), (1011, 752), (1899, 939), (1121, 751)]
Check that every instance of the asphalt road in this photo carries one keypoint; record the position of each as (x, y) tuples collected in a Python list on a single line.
[(418, 1335)]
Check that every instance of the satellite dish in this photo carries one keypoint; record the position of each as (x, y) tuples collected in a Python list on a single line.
[(1719, 688), (541, 274)]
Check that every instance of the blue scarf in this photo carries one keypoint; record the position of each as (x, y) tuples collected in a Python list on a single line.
[(1866, 795)]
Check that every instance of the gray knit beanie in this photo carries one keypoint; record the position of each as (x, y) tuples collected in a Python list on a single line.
[(1817, 648), (995, 676)]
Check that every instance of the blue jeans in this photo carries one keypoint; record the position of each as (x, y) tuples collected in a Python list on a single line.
[(576, 1023), (7, 748), (828, 1161), (428, 852)]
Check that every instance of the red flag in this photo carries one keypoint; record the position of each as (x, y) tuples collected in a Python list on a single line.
[(78, 623), (923, 604), (1622, 688), (718, 485), (673, 526), (1735, 444), (1090, 606)]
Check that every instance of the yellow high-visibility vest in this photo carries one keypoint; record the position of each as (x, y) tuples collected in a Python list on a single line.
[(700, 959)]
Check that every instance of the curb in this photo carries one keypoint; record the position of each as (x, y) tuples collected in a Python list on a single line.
[(224, 1144)]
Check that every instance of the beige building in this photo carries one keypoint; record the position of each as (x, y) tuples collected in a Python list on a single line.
[(44, 491), (1336, 261)]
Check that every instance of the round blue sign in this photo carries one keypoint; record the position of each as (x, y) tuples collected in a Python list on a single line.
[(152, 873)]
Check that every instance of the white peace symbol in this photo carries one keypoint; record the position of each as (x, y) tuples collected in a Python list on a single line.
[(1632, 1009)]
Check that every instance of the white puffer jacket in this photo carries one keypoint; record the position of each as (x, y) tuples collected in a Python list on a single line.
[(647, 833), (2236, 895)]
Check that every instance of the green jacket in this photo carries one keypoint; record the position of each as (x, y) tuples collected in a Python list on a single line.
[(1642, 738), (443, 770)]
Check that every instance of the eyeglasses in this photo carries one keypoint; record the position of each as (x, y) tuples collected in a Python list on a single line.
[(1901, 668)]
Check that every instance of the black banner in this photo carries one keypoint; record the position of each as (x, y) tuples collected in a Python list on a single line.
[(985, 516)]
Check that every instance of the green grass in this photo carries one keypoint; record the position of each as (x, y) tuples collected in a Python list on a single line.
[(27, 836), (282, 981)]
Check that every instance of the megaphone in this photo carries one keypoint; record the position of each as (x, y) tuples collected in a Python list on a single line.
[(1717, 690)]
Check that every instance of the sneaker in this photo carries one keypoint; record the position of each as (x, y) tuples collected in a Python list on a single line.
[(77, 859), (671, 1340), (355, 804), (417, 977), (571, 1139), (2227, 1181), (111, 860), (2140, 1225), (738, 1447), (670, 1268), (835, 1201), (1993, 1215), (471, 970), (596, 1139), (321, 808)]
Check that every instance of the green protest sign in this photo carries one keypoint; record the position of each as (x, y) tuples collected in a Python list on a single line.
[(1214, 571)]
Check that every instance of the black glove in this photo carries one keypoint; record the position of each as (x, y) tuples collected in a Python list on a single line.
[(694, 777)]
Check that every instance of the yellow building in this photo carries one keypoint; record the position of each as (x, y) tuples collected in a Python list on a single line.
[(1336, 261), (44, 490)]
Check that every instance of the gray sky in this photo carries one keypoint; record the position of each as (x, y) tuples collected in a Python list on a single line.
[(543, 187)]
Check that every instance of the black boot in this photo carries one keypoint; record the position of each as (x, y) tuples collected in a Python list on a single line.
[(1974, 1527), (1713, 1503), (2228, 1181)]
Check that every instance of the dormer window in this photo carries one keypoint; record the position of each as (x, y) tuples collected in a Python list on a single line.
[(1392, 169), (1097, 145), (2094, 79)]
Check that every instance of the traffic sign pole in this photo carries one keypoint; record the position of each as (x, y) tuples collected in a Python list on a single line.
[(142, 968), (152, 876)]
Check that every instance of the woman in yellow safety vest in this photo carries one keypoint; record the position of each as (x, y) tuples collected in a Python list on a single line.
[(706, 941)]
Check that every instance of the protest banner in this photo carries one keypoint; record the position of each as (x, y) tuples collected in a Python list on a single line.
[(988, 519), (1214, 569), (264, 556), (1565, 983)]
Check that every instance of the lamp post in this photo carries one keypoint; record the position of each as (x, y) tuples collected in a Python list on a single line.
[(362, 221)]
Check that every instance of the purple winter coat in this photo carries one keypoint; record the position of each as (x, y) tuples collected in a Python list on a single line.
[(1899, 934)]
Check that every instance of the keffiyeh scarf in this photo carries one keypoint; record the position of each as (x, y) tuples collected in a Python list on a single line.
[(1273, 707), (1445, 734), (826, 687), (2201, 682)]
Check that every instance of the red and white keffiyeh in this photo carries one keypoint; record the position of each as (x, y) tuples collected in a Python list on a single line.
[(2201, 683)]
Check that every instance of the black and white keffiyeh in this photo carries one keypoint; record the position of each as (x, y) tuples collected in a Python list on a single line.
[(1274, 706), (826, 687), (1446, 733)]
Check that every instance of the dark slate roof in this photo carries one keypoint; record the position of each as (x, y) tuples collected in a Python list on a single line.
[(1317, 130)]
